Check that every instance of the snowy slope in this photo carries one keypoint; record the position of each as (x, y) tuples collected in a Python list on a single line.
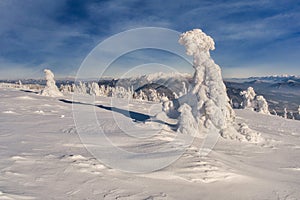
[(42, 156)]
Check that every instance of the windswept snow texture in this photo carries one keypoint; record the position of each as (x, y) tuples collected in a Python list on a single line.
[(42, 157)]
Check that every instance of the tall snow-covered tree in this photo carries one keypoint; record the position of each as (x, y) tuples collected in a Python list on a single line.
[(50, 88), (207, 98)]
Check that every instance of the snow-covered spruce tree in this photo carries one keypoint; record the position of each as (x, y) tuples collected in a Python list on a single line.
[(261, 105), (299, 110), (50, 88), (207, 98), (248, 98)]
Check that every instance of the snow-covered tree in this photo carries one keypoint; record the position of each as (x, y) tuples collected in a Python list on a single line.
[(261, 105), (254, 102), (248, 98), (187, 123), (94, 89), (275, 113), (207, 98), (153, 96), (82, 88), (65, 88), (299, 110), (184, 90), (50, 88), (140, 95), (285, 113)]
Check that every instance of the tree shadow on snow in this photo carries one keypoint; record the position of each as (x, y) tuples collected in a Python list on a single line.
[(29, 91), (135, 116), (139, 117)]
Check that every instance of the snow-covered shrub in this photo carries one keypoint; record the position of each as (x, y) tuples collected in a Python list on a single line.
[(261, 105), (248, 98), (187, 123), (249, 134), (50, 88)]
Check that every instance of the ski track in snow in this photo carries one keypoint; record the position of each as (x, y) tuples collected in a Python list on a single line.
[(42, 157)]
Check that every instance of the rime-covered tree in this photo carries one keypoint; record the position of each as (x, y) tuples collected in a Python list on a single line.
[(261, 105), (248, 98), (94, 89), (207, 98), (50, 88), (254, 102), (187, 123)]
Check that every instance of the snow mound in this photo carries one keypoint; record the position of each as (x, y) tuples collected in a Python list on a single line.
[(9, 112), (85, 165)]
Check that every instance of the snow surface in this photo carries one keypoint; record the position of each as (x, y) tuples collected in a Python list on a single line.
[(42, 157)]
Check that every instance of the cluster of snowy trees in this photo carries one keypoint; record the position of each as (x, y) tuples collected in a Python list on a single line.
[(254, 102), (14, 85), (119, 92), (291, 114), (259, 104), (93, 88), (20, 85)]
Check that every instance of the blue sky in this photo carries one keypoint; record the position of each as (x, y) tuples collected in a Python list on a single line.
[(252, 37)]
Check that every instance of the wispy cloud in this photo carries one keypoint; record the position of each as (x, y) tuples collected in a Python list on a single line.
[(60, 33)]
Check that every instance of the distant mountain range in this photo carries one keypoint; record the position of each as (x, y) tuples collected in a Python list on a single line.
[(281, 91)]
